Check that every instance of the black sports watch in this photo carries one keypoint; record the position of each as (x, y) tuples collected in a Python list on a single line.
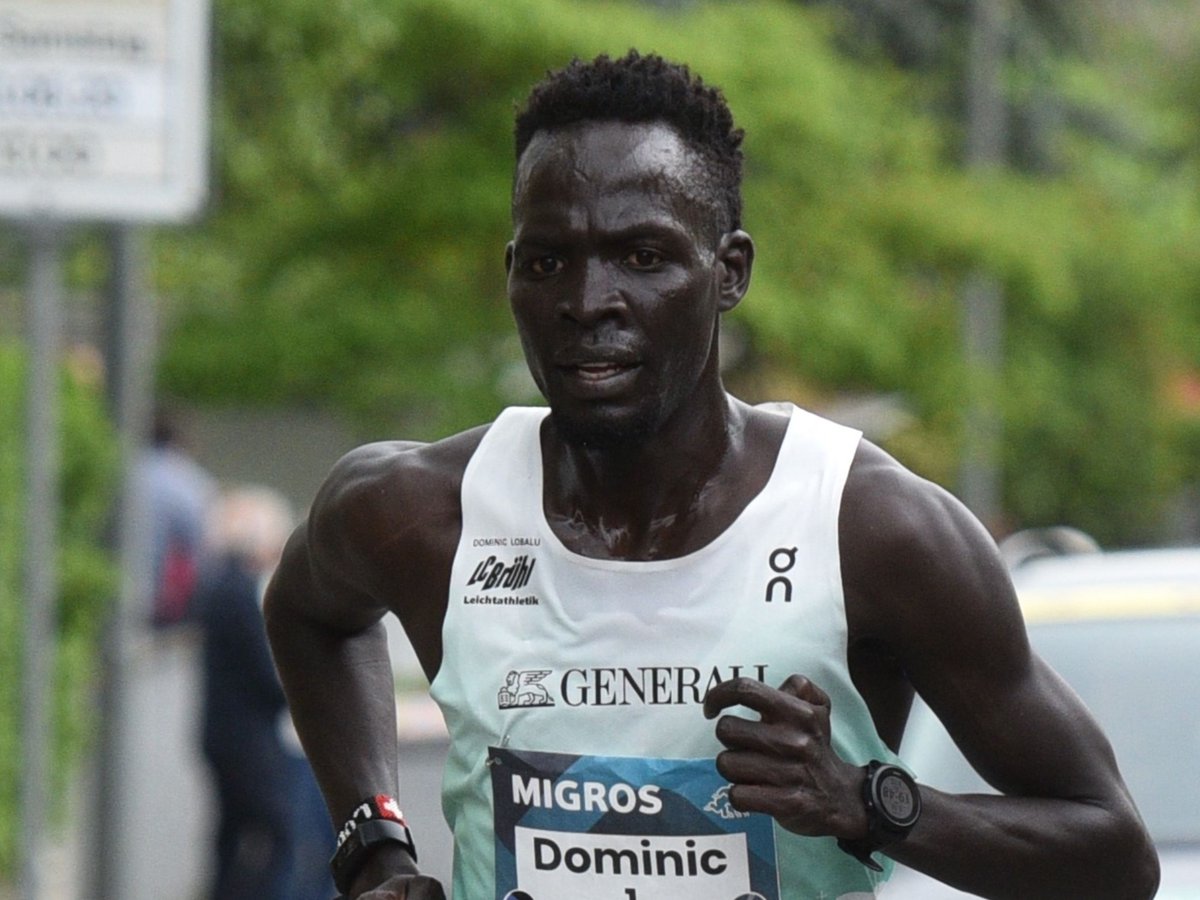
[(893, 804)]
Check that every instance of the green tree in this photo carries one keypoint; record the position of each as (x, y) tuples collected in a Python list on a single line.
[(85, 571), (353, 257)]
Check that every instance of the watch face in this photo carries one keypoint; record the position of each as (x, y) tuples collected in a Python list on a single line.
[(896, 799)]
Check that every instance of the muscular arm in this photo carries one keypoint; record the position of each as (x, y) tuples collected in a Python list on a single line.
[(362, 553), (930, 606), (925, 583)]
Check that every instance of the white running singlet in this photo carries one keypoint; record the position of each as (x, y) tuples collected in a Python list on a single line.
[(581, 764)]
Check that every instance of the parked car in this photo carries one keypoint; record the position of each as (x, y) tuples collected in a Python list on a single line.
[(1123, 628)]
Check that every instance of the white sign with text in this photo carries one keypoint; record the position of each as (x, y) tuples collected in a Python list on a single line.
[(103, 108)]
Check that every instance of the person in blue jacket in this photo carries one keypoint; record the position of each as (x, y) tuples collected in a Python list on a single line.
[(270, 819)]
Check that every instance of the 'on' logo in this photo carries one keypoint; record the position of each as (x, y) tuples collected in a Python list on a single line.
[(781, 561)]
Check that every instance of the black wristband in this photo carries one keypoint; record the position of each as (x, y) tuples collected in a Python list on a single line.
[(375, 821)]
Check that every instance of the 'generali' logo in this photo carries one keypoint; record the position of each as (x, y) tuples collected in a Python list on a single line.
[(494, 573), (619, 686)]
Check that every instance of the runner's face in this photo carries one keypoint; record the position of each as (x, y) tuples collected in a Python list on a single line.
[(614, 278)]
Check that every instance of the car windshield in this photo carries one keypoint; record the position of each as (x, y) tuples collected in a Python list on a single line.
[(1141, 679)]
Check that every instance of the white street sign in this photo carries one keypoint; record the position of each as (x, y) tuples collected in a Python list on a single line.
[(103, 108)]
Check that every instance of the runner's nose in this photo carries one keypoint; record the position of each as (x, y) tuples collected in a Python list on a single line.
[(597, 296)]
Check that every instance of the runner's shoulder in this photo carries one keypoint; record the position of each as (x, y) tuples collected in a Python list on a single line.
[(380, 492), (894, 511), (912, 552)]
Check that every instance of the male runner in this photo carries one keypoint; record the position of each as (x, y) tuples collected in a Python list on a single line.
[(675, 637)]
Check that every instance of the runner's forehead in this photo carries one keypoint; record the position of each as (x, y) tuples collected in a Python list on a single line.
[(600, 160)]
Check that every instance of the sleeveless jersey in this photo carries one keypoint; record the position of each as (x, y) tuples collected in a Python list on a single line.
[(581, 765)]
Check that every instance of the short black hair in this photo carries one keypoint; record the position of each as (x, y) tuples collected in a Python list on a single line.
[(637, 88)]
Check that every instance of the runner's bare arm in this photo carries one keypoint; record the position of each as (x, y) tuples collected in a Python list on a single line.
[(935, 591), (324, 612), (925, 586)]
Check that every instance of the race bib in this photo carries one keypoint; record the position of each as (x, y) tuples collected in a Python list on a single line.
[(624, 828)]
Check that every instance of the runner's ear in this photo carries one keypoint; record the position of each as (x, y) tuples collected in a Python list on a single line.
[(735, 260)]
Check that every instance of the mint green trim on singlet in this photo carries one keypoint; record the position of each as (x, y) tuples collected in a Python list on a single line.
[(602, 664)]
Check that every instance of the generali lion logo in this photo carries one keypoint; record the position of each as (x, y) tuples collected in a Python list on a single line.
[(720, 806), (524, 688)]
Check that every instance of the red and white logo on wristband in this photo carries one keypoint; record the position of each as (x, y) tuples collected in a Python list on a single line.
[(388, 808), (381, 806), (376, 820)]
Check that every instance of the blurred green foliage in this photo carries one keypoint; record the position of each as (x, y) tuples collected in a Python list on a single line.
[(86, 580), (353, 254)]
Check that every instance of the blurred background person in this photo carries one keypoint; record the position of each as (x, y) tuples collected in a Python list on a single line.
[(271, 824), (179, 492)]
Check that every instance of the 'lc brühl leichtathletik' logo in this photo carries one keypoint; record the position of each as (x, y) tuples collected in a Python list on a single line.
[(524, 688), (493, 573)]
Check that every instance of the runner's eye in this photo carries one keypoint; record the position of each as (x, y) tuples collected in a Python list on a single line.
[(545, 265), (643, 258)]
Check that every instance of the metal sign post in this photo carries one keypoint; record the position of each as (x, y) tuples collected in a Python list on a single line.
[(44, 304), (103, 116), (131, 365), (982, 328)]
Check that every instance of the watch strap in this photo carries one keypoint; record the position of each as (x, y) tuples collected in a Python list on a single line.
[(861, 850)]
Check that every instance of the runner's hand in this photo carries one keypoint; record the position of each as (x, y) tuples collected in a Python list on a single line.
[(784, 765)]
